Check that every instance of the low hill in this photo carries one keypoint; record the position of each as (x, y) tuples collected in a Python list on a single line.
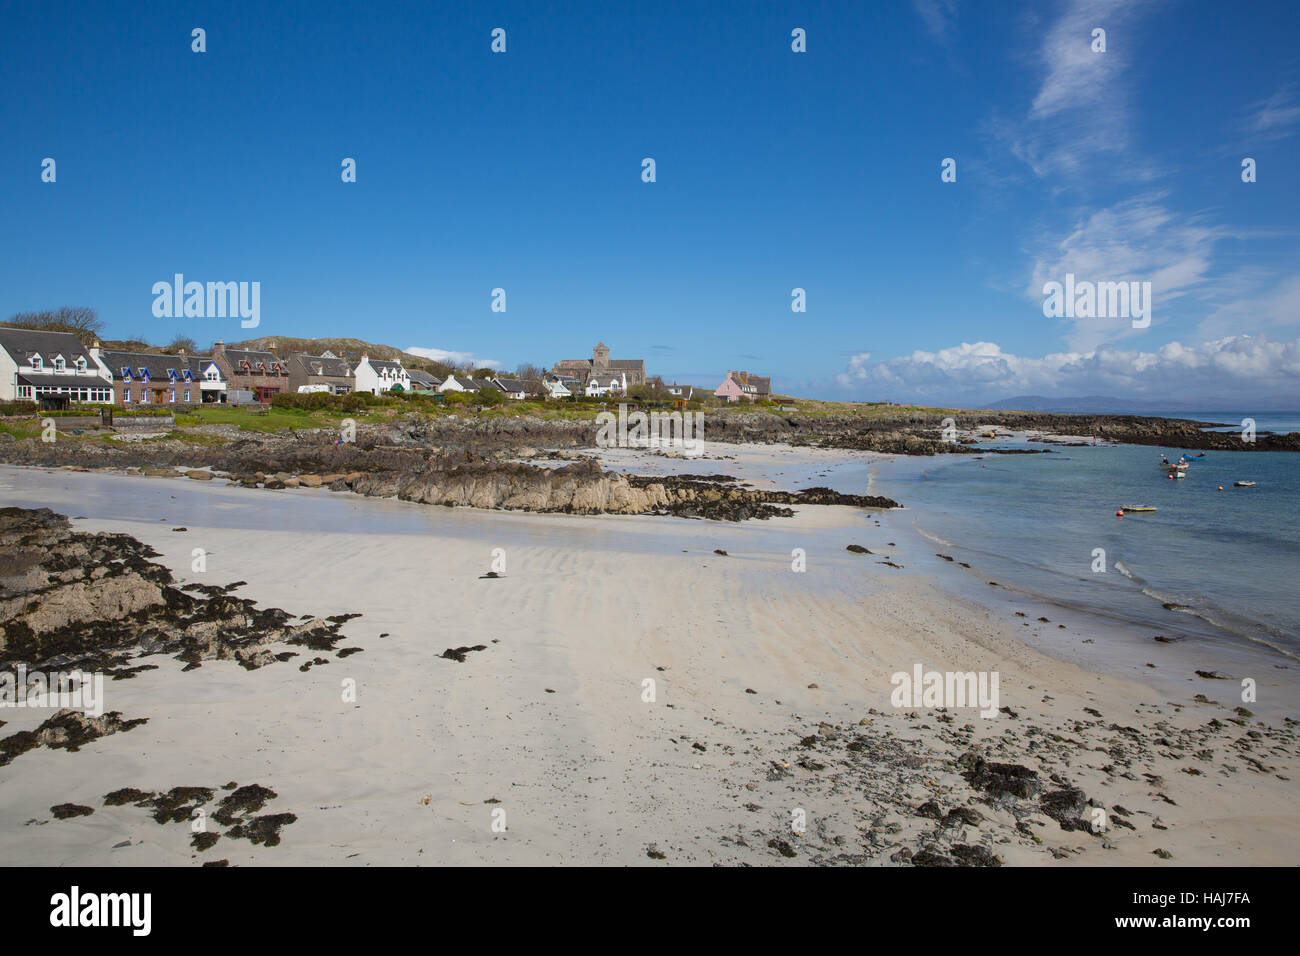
[(284, 345)]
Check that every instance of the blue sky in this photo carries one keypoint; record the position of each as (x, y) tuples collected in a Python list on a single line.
[(775, 170)]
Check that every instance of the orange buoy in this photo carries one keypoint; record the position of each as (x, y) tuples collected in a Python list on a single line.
[(1119, 514), (1220, 487)]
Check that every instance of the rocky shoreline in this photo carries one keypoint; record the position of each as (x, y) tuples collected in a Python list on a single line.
[(74, 602), (96, 602), (455, 479), (483, 462)]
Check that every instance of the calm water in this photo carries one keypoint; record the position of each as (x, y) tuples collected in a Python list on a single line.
[(1264, 421), (1229, 558)]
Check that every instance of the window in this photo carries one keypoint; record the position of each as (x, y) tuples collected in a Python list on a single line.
[(36, 362), (187, 395), (126, 396), (81, 364), (59, 363), (172, 396)]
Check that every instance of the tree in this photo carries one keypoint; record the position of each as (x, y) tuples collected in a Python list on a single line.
[(81, 321), (528, 370), (490, 396), (182, 342)]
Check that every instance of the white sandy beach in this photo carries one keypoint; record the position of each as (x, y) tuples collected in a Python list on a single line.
[(549, 718)]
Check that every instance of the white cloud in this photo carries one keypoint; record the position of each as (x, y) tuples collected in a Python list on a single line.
[(1138, 240), (1276, 117), (451, 357), (939, 16), (1081, 110), (1254, 298), (1248, 368)]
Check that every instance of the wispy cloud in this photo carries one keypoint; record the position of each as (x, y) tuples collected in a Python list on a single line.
[(1082, 109), (451, 357), (1276, 117), (1138, 240), (1249, 367), (939, 17), (1252, 298)]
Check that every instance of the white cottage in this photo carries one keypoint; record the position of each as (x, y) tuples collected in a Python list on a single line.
[(55, 366), (377, 376)]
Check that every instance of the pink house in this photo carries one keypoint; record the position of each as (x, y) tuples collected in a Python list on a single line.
[(730, 389), (738, 385)]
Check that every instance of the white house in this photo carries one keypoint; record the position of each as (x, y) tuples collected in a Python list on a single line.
[(557, 387), (598, 386), (36, 365), (377, 376), (515, 388), (460, 382)]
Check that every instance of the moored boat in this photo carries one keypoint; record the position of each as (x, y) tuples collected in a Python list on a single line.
[(1138, 508)]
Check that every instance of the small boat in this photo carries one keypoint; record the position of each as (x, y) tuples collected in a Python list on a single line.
[(1179, 466), (1136, 508), (1199, 457), (1244, 484), (1180, 473)]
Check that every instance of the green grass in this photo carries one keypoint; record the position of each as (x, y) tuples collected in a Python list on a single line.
[(21, 429), (250, 419), (275, 420)]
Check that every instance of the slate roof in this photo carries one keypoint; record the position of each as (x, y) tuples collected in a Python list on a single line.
[(21, 344), (325, 365), (156, 364), (236, 356), (77, 381), (421, 377)]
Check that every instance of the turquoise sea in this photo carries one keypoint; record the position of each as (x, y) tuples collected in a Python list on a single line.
[(1225, 562)]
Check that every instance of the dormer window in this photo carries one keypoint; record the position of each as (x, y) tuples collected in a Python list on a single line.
[(36, 362), (126, 374), (81, 363), (59, 363)]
